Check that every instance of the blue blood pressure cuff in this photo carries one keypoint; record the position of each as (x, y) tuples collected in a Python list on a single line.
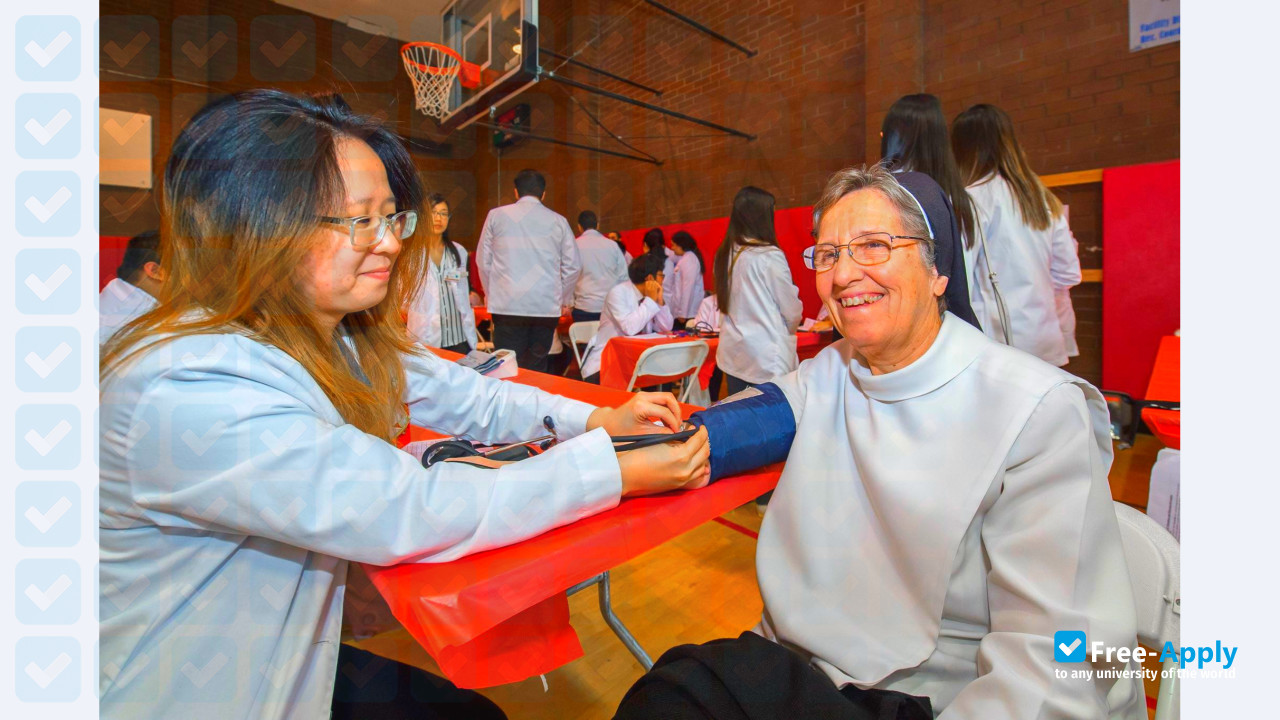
[(749, 430)]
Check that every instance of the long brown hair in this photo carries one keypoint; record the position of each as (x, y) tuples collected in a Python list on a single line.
[(245, 182), (750, 224), (913, 136), (985, 145)]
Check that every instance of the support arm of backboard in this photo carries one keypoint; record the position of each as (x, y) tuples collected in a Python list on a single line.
[(566, 143), (598, 71), (639, 103), (701, 28)]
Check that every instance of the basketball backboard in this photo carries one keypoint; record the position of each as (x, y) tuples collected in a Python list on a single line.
[(500, 38)]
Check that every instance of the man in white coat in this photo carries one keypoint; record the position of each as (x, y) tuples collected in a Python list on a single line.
[(603, 268), (529, 265), (134, 289), (631, 308)]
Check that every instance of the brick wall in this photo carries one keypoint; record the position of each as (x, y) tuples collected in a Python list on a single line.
[(816, 93), (168, 58)]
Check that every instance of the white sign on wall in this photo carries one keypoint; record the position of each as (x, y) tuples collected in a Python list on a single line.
[(1154, 22)]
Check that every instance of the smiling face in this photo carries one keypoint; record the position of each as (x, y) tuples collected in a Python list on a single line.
[(889, 311), (339, 278)]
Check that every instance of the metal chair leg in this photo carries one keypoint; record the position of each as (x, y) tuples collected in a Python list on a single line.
[(614, 623)]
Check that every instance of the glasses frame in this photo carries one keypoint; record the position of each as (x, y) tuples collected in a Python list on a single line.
[(809, 253), (410, 224)]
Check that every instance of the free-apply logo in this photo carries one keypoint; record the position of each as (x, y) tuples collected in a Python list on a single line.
[(1069, 646)]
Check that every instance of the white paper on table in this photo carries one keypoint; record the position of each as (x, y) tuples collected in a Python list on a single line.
[(808, 324)]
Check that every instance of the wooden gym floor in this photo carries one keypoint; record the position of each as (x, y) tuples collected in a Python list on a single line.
[(697, 587)]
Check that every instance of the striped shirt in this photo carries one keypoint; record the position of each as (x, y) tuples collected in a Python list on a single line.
[(450, 320)]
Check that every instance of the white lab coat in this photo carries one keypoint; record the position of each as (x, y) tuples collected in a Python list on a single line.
[(603, 267), (669, 274), (1030, 266), (626, 312), (233, 495), (424, 311), (687, 290), (708, 314), (118, 303), (935, 526), (758, 334), (527, 259), (1066, 319)]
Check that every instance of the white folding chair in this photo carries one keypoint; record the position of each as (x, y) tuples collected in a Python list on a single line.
[(1153, 558), (582, 332), (674, 360)]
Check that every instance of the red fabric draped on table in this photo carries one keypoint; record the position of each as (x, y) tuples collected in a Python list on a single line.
[(501, 616), (620, 354)]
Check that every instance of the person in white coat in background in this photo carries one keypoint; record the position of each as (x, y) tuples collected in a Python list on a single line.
[(529, 265), (634, 307), (656, 243), (603, 267), (622, 248), (441, 315), (760, 306), (135, 287), (246, 427), (942, 514), (687, 291), (1024, 240)]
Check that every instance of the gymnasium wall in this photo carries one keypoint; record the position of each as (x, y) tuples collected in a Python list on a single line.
[(816, 93), (168, 58)]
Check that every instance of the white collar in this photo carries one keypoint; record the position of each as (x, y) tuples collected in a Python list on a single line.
[(953, 350)]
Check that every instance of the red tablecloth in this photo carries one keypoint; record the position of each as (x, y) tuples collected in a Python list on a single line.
[(1165, 384), (502, 616), (620, 354)]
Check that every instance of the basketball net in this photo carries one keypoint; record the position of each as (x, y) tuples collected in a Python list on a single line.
[(432, 68)]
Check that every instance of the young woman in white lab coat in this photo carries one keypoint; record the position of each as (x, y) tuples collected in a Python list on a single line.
[(441, 315), (245, 454), (687, 290), (759, 305), (1026, 256)]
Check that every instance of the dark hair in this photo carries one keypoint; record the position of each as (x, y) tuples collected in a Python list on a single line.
[(750, 224), (621, 248), (143, 248), (914, 137), (655, 242), (645, 265), (530, 182), (587, 220), (688, 244), (984, 144), (433, 200)]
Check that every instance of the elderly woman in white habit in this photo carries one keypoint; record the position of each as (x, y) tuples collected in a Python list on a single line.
[(944, 508)]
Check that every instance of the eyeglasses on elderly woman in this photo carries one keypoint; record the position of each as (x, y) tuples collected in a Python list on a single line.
[(869, 249), (366, 231)]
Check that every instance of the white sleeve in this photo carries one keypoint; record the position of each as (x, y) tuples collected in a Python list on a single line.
[(777, 281), (570, 262), (1064, 258), (260, 449), (484, 253), (621, 269), (445, 397), (1056, 563), (662, 321), (631, 317), (683, 289)]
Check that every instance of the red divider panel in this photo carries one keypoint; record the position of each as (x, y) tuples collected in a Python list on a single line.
[(110, 253), (1140, 269), (794, 229)]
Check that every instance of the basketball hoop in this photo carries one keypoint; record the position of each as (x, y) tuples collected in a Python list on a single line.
[(432, 68)]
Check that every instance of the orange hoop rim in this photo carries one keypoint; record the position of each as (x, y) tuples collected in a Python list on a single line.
[(404, 50)]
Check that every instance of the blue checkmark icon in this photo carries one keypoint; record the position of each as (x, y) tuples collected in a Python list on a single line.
[(1068, 646)]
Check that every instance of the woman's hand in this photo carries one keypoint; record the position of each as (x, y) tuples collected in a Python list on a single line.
[(668, 466), (636, 417)]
